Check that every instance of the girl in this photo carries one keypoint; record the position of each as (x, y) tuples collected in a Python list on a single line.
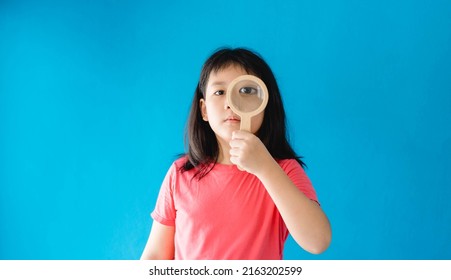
[(209, 209)]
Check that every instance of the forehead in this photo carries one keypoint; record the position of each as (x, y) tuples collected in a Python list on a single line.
[(226, 74)]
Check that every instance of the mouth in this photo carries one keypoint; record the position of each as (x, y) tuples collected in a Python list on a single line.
[(232, 119)]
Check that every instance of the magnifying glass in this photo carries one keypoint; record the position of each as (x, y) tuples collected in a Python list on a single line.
[(247, 96)]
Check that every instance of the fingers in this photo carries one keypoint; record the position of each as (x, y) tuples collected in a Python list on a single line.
[(241, 134), (237, 147), (240, 139), (247, 151), (241, 148)]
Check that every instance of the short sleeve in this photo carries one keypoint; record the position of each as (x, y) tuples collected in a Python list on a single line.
[(298, 176), (164, 211)]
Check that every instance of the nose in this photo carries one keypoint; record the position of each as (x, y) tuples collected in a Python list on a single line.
[(226, 104)]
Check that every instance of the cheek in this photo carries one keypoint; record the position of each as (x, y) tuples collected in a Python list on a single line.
[(214, 108), (257, 122)]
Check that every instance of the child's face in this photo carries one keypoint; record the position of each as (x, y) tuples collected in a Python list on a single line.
[(215, 109)]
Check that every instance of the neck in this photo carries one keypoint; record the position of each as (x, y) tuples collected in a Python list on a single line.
[(224, 153)]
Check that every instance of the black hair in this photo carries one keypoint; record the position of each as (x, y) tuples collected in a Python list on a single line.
[(202, 146)]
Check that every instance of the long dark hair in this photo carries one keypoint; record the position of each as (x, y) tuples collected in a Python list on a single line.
[(202, 146)]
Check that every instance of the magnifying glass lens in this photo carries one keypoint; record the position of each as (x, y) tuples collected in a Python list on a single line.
[(247, 96)]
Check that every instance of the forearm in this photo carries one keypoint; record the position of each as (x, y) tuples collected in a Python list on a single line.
[(304, 218), (160, 245)]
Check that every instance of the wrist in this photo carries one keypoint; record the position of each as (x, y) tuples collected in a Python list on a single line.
[(267, 168)]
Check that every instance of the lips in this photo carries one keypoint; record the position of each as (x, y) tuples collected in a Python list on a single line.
[(233, 118)]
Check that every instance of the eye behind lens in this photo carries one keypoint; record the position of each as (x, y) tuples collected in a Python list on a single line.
[(248, 90)]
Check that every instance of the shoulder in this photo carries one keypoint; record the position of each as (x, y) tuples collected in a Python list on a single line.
[(177, 168), (180, 162), (290, 165), (298, 176)]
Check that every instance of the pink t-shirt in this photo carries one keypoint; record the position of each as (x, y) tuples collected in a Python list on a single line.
[(228, 214)]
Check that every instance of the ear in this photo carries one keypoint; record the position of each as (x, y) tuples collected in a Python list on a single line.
[(203, 109)]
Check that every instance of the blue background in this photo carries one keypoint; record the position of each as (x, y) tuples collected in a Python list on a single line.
[(94, 96)]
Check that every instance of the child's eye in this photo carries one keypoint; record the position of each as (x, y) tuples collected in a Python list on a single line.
[(219, 92), (248, 90)]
